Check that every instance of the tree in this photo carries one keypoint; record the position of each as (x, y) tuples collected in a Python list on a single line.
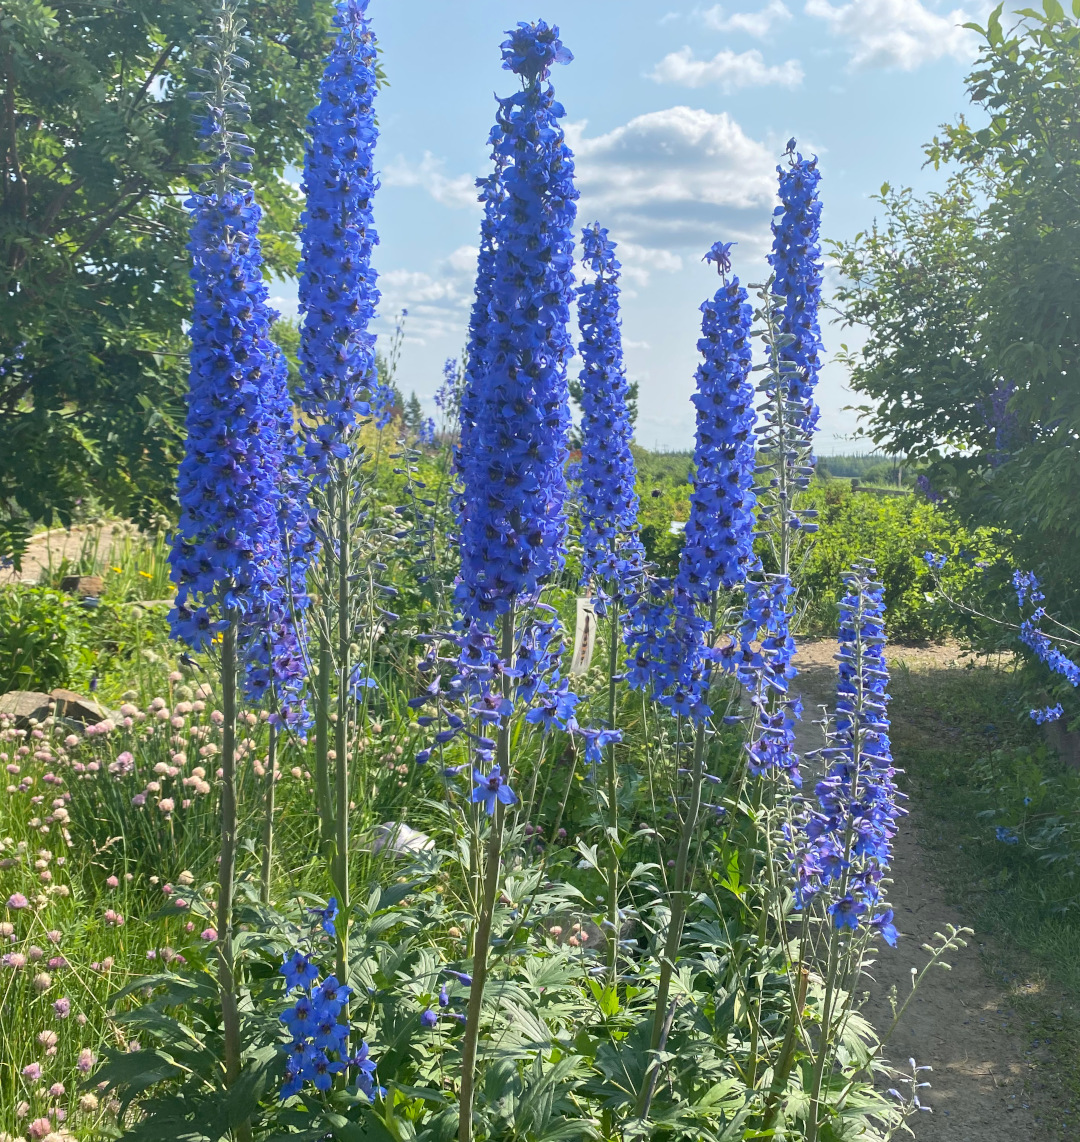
[(971, 301), (414, 414), (96, 142)]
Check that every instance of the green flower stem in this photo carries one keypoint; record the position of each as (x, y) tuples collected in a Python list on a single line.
[(230, 1011), (322, 742), (787, 1052), (482, 936), (268, 818), (613, 803), (341, 742), (679, 903)]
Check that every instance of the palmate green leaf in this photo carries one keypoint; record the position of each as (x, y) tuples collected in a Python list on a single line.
[(131, 1072), (369, 1128), (524, 1028)]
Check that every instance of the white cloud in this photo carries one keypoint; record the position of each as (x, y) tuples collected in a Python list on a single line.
[(674, 179), (757, 23), (437, 301), (731, 70), (902, 34), (458, 191), (639, 263)]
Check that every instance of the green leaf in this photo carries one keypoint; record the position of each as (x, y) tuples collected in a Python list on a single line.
[(607, 998)]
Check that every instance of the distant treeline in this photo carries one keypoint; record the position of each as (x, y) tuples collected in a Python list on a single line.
[(866, 467), (669, 469)]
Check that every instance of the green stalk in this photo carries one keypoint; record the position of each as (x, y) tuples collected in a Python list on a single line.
[(482, 937), (230, 1011), (322, 742), (613, 804), (268, 818), (341, 743), (679, 903), (787, 1053)]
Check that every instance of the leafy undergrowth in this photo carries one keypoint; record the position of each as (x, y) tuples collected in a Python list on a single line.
[(1000, 816)]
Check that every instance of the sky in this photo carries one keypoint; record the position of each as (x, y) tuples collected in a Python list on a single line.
[(677, 116)]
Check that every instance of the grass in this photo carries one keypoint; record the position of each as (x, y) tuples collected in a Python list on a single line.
[(977, 765)]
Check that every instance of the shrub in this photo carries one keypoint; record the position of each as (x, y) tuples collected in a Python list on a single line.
[(894, 531), (39, 637)]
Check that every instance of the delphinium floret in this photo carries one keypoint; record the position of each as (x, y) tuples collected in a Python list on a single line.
[(337, 290), (612, 553), (228, 536), (849, 835), (797, 269), (514, 443)]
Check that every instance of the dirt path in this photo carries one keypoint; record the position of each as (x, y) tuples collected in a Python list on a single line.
[(49, 548), (984, 1085)]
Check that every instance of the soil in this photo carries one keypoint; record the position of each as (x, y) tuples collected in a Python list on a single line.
[(987, 1085)]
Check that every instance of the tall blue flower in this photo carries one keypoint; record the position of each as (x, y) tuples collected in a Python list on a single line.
[(612, 553), (227, 539), (272, 634), (719, 547), (514, 444), (1048, 651), (848, 839), (797, 266), (337, 289)]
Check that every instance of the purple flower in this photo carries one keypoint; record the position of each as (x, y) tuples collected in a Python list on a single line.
[(429, 1018), (491, 789), (884, 924), (299, 971), (326, 916)]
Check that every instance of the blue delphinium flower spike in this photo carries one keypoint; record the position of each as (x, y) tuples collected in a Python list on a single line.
[(612, 556), (797, 266), (848, 839), (337, 290), (515, 417)]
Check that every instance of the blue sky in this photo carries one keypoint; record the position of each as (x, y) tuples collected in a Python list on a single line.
[(677, 116)]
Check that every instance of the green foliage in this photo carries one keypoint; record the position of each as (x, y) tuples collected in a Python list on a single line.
[(49, 638), (973, 291), (96, 144), (894, 531), (664, 490), (37, 639)]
